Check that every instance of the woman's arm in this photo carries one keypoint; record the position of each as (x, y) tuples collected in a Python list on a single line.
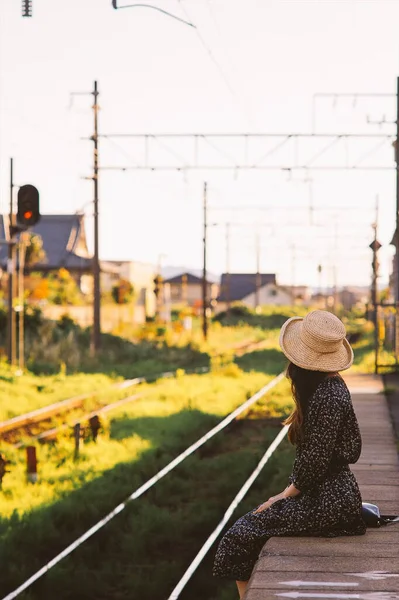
[(290, 492)]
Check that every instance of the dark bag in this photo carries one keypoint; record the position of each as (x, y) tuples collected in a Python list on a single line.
[(372, 517)]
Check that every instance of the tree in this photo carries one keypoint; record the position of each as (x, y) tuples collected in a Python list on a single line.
[(122, 292), (63, 289), (34, 251)]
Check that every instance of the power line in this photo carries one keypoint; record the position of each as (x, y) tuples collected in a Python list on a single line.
[(122, 150), (217, 65), (299, 162)]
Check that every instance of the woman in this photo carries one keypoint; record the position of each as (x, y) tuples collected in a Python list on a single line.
[(322, 498)]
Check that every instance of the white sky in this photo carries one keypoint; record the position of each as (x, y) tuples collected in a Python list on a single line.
[(155, 76)]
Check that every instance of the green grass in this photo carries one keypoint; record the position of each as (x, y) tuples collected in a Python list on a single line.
[(143, 551), (138, 441), (21, 394), (129, 431)]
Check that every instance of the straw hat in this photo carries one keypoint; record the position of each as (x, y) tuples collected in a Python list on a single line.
[(316, 342)]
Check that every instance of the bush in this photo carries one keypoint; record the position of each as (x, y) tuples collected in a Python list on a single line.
[(122, 292), (66, 324), (239, 315)]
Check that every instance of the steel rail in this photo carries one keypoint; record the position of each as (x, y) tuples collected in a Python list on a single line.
[(143, 488), (49, 433), (45, 412), (240, 495)]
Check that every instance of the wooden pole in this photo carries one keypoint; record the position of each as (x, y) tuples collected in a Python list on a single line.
[(31, 464)]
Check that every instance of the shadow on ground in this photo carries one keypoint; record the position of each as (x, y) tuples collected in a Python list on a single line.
[(270, 361), (145, 549)]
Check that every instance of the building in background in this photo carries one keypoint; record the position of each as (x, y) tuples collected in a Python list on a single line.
[(241, 287), (354, 297), (300, 294), (186, 289), (270, 294), (65, 245), (140, 275)]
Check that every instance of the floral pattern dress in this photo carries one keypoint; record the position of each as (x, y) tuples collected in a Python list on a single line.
[(329, 504)]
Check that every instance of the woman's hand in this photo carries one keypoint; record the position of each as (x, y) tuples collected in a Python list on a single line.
[(290, 492), (268, 503)]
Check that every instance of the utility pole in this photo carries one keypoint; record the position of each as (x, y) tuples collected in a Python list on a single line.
[(96, 341), (21, 293), (204, 275), (257, 277), (96, 333), (11, 347), (227, 290), (320, 271), (335, 283), (396, 278), (375, 246), (293, 265)]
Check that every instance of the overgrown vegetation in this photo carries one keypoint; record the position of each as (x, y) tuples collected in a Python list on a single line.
[(269, 318), (162, 529), (21, 394), (143, 552)]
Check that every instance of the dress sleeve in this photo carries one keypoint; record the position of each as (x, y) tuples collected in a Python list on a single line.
[(322, 427)]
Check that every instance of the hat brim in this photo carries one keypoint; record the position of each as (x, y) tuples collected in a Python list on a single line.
[(306, 358)]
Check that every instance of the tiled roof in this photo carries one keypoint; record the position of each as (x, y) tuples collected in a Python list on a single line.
[(191, 279), (236, 286), (64, 241)]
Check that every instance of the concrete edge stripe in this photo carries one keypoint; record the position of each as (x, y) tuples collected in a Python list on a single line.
[(211, 539), (143, 488)]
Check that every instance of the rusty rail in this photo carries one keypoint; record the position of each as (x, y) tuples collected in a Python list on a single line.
[(41, 414), (51, 433)]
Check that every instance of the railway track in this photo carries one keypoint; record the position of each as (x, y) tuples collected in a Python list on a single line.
[(31, 424), (137, 493), (51, 434), (47, 422), (43, 424)]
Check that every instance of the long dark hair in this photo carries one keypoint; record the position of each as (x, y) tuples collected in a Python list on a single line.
[(303, 385)]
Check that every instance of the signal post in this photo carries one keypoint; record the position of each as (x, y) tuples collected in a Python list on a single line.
[(28, 214)]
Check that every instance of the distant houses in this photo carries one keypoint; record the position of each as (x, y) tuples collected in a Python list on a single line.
[(186, 289), (65, 245), (64, 241), (261, 289)]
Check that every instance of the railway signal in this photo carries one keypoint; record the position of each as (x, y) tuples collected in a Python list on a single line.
[(28, 213)]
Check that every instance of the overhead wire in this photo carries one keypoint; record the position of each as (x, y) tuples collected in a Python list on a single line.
[(218, 66)]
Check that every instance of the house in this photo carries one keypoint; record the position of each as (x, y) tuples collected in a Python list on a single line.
[(141, 276), (270, 294), (186, 288), (64, 241), (237, 287), (301, 294), (350, 297)]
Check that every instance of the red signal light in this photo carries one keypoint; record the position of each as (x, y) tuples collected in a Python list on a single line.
[(28, 206)]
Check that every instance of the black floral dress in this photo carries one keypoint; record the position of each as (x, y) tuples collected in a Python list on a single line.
[(329, 504)]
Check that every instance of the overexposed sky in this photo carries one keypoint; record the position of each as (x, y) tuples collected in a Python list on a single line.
[(250, 66)]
